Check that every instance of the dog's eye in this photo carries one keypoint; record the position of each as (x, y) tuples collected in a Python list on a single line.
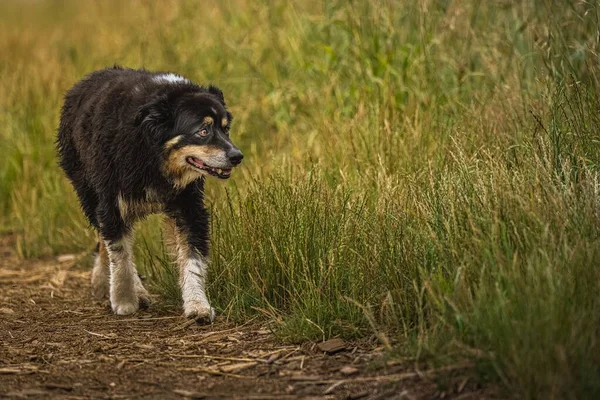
[(203, 132)]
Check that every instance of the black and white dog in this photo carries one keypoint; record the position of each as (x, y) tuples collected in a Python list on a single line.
[(135, 142)]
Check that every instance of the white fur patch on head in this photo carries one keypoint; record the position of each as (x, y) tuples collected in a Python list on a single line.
[(169, 78)]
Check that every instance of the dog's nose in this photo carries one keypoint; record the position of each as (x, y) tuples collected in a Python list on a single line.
[(235, 156)]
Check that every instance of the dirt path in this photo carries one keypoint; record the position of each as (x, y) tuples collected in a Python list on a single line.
[(56, 343)]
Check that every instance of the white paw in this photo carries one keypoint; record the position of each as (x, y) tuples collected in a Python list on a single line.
[(130, 306), (125, 307), (200, 311)]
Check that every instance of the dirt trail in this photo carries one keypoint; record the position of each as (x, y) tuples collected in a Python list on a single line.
[(56, 343)]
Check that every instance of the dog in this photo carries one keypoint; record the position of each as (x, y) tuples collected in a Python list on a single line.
[(135, 142)]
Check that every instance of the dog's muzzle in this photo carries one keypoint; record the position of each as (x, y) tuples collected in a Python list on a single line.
[(235, 156)]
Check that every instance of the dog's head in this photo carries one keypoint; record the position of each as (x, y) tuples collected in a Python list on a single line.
[(192, 130)]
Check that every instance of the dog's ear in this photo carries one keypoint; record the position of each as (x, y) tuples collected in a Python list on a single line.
[(155, 117), (217, 92), (155, 111)]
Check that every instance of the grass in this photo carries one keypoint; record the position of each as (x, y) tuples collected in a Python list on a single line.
[(429, 170)]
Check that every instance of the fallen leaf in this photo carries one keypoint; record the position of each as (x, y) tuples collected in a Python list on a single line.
[(9, 371), (27, 392), (18, 370), (358, 395), (303, 378), (332, 388), (58, 279), (332, 346), (144, 346), (66, 258), (237, 367), (58, 386), (348, 370), (189, 394)]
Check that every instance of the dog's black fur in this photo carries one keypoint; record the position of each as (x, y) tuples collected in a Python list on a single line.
[(122, 140)]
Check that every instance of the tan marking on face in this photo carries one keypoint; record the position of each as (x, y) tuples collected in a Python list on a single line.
[(224, 122), (183, 173), (208, 120), (173, 142)]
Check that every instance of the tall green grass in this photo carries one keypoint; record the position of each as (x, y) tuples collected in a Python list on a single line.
[(426, 169)]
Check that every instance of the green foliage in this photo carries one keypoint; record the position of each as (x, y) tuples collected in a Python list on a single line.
[(428, 170)]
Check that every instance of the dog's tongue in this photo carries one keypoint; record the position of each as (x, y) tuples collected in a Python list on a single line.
[(197, 162)]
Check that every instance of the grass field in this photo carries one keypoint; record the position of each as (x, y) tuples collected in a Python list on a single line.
[(427, 170)]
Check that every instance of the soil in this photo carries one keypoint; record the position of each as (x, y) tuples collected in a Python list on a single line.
[(56, 343)]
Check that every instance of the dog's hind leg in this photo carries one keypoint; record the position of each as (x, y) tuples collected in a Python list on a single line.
[(123, 298), (101, 272), (127, 293), (89, 204)]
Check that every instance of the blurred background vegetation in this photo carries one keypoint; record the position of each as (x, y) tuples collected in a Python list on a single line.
[(425, 169)]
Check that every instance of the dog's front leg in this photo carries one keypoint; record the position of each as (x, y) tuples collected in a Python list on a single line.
[(188, 220), (193, 266), (192, 279)]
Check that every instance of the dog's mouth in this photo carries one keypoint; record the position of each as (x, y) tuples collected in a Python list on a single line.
[(221, 173)]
